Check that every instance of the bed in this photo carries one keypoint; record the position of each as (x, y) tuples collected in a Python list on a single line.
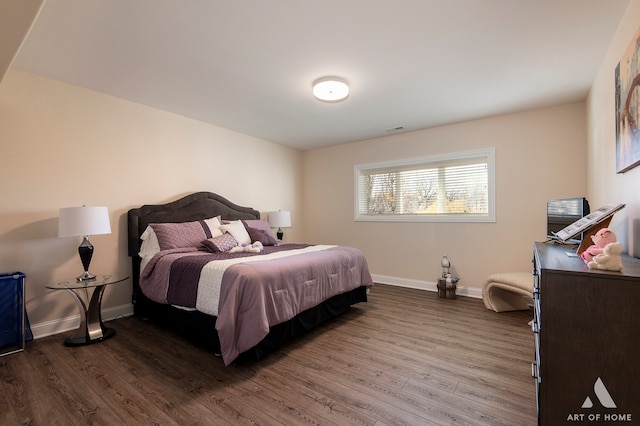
[(211, 270)]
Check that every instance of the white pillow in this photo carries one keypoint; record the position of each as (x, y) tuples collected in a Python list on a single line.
[(214, 226), (150, 245), (237, 231)]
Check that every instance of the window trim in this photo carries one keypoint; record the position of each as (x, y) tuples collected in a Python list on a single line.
[(489, 153)]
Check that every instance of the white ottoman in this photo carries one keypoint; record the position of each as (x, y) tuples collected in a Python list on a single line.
[(508, 291)]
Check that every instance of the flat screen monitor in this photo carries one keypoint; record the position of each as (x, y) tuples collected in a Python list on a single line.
[(563, 212)]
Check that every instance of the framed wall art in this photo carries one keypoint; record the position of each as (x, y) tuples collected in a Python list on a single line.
[(628, 107)]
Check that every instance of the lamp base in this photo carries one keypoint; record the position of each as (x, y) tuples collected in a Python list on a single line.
[(86, 276), (280, 234), (85, 250)]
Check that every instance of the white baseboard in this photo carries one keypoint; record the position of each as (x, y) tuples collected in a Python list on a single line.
[(425, 285), (49, 328)]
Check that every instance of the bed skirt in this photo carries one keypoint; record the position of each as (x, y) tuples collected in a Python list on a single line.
[(200, 328)]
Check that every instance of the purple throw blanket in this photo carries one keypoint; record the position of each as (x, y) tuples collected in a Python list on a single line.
[(257, 295)]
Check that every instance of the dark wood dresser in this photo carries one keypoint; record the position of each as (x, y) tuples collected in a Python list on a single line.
[(587, 339)]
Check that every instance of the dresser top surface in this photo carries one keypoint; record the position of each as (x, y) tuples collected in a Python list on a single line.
[(559, 257)]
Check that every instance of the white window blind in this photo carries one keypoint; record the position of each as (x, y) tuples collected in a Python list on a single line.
[(452, 187)]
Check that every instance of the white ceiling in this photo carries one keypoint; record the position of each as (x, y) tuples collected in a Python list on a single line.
[(248, 65)]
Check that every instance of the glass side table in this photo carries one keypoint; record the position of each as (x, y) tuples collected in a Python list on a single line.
[(92, 329)]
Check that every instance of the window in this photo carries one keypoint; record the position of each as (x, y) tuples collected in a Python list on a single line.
[(446, 188)]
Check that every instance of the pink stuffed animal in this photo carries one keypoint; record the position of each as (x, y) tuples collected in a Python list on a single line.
[(603, 237)]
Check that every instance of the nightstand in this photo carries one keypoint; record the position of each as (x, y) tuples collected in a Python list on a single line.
[(92, 329)]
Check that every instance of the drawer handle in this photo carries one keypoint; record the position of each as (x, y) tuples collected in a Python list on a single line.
[(534, 372)]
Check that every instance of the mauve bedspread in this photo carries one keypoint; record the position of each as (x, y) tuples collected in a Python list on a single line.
[(254, 295)]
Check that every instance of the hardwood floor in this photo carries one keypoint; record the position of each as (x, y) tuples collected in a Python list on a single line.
[(404, 358)]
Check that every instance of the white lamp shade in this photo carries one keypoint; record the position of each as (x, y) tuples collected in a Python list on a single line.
[(81, 221), (279, 219)]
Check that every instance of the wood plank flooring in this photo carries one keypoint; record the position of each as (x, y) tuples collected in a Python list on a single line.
[(404, 358)]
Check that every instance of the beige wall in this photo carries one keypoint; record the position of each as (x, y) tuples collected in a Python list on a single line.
[(540, 154), (64, 146), (604, 184)]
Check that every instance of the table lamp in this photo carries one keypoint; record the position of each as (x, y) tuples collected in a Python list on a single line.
[(279, 220), (82, 222)]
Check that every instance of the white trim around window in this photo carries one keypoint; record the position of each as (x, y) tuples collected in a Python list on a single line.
[(456, 187)]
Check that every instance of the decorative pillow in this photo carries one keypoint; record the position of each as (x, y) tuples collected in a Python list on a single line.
[(214, 223), (258, 224), (261, 235), (185, 234), (222, 243), (150, 245), (237, 229)]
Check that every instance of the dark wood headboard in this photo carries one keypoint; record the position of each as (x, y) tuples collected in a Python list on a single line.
[(196, 206)]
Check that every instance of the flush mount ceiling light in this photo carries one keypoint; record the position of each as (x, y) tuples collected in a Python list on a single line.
[(330, 89)]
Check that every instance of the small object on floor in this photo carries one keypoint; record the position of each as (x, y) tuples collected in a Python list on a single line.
[(447, 287)]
